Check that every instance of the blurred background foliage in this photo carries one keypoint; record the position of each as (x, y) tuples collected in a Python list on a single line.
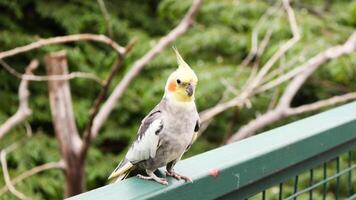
[(214, 47)]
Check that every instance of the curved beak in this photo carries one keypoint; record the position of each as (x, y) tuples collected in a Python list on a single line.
[(190, 90)]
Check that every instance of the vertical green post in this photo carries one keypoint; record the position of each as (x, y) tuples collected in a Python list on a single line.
[(350, 189), (296, 186), (280, 195), (338, 178), (311, 182), (325, 184)]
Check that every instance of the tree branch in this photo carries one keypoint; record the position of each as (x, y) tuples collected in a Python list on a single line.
[(61, 104), (7, 177), (63, 39), (28, 129), (283, 108), (283, 49), (106, 15), (65, 128), (108, 106), (31, 172), (331, 53), (321, 104), (252, 85), (23, 111), (88, 133), (255, 48), (31, 77)]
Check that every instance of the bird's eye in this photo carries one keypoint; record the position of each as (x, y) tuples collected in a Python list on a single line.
[(178, 81)]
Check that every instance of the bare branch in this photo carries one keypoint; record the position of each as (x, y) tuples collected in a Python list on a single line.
[(229, 87), (321, 57), (285, 77), (283, 108), (69, 76), (31, 77), (7, 177), (255, 48), (264, 42), (254, 83), (31, 172), (275, 74), (332, 53), (238, 101), (65, 128), (283, 49), (63, 39), (321, 104), (210, 113), (61, 104), (106, 15), (88, 133), (23, 111), (28, 129), (182, 27)]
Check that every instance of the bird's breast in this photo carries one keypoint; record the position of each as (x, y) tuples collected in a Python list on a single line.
[(177, 134)]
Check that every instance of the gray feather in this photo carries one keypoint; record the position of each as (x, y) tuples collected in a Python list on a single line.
[(146, 143), (164, 135)]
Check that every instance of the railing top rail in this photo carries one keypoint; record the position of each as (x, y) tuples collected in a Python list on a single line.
[(244, 162)]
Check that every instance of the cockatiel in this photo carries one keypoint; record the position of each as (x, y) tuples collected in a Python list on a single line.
[(167, 131)]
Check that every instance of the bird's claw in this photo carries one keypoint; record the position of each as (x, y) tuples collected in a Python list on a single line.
[(162, 181), (178, 176), (158, 180)]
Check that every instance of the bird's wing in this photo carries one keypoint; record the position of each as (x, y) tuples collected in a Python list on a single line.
[(195, 135), (146, 143)]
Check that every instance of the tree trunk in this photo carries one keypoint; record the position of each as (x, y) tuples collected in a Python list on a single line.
[(64, 124)]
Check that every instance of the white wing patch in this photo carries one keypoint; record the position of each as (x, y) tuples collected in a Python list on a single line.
[(146, 146)]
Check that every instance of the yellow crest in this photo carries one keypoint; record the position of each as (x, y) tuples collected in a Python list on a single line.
[(181, 83), (184, 70), (180, 61)]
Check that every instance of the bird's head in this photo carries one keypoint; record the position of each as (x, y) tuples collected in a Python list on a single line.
[(182, 82)]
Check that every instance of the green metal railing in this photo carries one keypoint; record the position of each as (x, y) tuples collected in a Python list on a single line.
[(313, 158)]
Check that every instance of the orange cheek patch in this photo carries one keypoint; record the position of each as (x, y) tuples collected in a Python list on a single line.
[(172, 86)]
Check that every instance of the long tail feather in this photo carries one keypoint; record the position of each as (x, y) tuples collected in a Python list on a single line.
[(121, 171), (122, 176)]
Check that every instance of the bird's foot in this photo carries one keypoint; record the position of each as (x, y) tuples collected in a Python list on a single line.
[(178, 176), (155, 178), (144, 177)]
